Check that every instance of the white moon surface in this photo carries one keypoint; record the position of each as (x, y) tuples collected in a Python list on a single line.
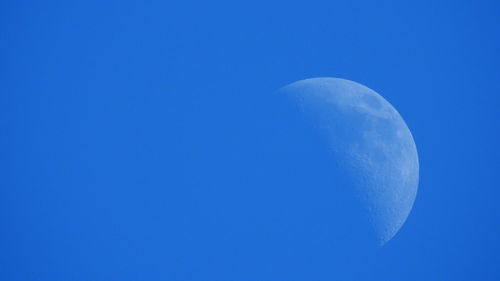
[(372, 143)]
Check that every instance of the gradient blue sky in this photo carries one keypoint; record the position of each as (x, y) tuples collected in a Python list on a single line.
[(130, 128)]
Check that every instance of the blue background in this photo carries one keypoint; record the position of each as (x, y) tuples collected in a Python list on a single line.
[(134, 137)]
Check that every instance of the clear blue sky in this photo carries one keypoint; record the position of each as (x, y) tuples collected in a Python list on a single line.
[(133, 136)]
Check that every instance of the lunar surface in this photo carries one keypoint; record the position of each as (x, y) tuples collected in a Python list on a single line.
[(370, 141)]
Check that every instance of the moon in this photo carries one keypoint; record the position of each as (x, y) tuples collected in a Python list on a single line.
[(371, 143)]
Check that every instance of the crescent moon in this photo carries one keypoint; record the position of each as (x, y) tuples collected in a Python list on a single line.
[(371, 141)]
